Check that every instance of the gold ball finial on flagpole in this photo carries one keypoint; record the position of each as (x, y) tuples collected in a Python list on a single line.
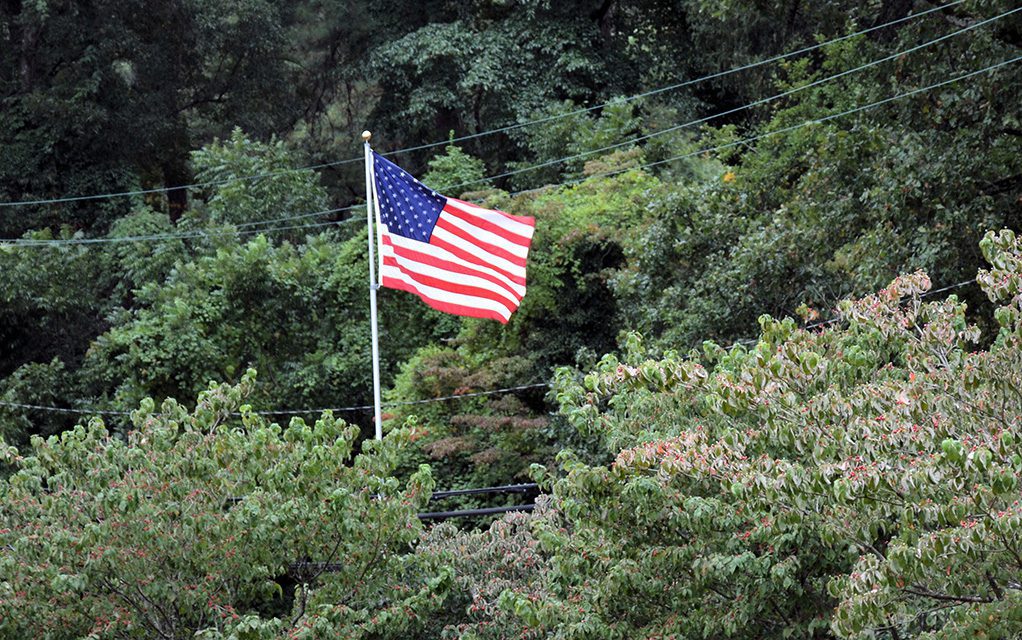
[(366, 135)]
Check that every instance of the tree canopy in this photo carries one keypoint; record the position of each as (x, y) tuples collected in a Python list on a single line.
[(766, 373)]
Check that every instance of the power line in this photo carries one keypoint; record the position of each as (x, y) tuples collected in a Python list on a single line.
[(301, 216), (679, 85), (576, 156), (791, 128), (409, 403), (185, 235), (754, 104), (947, 288), (270, 174), (405, 403), (195, 234), (194, 185), (750, 105), (824, 323), (39, 407)]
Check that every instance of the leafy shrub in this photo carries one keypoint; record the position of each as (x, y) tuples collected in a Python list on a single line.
[(860, 480), (206, 523), (485, 564)]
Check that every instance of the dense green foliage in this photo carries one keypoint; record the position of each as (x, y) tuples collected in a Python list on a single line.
[(861, 481), (855, 481), (858, 478), (194, 525)]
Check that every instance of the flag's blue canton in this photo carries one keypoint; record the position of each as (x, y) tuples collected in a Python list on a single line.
[(408, 207)]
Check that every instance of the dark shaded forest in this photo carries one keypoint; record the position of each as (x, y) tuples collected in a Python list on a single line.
[(766, 373)]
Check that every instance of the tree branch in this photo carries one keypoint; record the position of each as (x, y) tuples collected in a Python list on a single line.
[(139, 608), (945, 597)]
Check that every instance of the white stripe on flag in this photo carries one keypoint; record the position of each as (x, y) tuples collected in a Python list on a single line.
[(511, 223), (480, 254), (489, 237), (414, 267), (442, 295), (441, 254)]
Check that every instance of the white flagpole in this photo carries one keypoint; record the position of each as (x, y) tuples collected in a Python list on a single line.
[(373, 286), (379, 226)]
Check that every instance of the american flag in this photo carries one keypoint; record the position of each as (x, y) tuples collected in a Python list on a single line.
[(456, 256)]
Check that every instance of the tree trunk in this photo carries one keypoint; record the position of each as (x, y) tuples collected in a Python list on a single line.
[(26, 37), (890, 10), (176, 174), (604, 17)]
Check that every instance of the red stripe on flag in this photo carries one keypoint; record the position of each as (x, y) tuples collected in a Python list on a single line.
[(465, 255), (453, 287), (425, 258), (446, 307), (493, 249), (481, 222)]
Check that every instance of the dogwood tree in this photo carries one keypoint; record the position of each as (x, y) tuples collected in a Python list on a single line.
[(214, 523), (859, 480)]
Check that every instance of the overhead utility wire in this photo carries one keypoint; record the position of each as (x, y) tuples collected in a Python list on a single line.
[(199, 233), (408, 403), (734, 110), (239, 229), (679, 85), (183, 235), (300, 216), (28, 242), (24, 242), (823, 323), (480, 134), (947, 288), (750, 105), (405, 403), (40, 407), (143, 192), (474, 394), (768, 134), (705, 150)]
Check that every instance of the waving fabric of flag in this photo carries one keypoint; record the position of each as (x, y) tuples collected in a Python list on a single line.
[(456, 256)]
